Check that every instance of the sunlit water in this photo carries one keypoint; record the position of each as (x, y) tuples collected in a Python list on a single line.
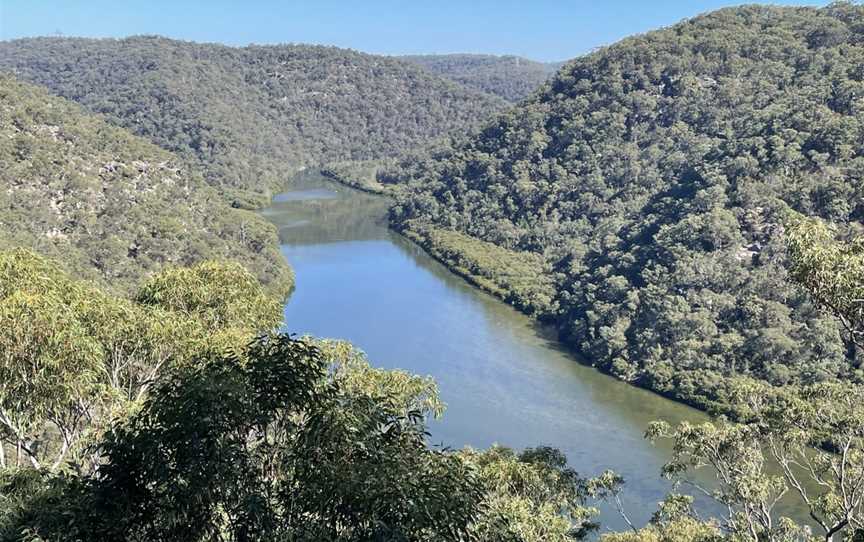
[(503, 380)]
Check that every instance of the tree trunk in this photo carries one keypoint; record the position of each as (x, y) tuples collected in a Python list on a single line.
[(852, 353)]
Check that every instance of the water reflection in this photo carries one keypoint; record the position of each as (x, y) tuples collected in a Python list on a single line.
[(317, 215)]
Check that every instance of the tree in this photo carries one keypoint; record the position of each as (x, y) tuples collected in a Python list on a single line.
[(640, 195), (814, 432), (49, 378), (73, 358), (294, 440), (832, 272), (816, 435), (266, 446), (674, 521), (529, 496), (220, 294), (744, 487), (111, 206)]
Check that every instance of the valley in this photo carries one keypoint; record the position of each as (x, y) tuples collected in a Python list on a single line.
[(257, 291)]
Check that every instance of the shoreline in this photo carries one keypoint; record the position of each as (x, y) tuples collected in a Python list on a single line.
[(704, 405)]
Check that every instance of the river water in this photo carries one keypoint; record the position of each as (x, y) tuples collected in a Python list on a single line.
[(503, 379)]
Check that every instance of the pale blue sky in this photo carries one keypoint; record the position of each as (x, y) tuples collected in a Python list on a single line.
[(539, 29)]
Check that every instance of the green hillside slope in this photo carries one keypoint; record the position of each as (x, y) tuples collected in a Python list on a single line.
[(112, 206), (510, 77), (653, 178), (250, 116)]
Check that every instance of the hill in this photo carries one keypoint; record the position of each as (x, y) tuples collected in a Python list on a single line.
[(110, 205), (510, 77), (653, 179), (250, 116)]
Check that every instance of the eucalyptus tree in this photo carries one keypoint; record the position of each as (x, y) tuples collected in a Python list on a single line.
[(832, 272), (50, 385), (530, 496), (219, 294), (265, 445), (734, 453), (73, 358), (815, 434)]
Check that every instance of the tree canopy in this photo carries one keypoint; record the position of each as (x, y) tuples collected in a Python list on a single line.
[(685, 205), (72, 357), (180, 415), (294, 440)]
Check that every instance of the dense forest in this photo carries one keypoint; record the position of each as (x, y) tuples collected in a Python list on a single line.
[(510, 77), (650, 182), (111, 206), (685, 206), (250, 116)]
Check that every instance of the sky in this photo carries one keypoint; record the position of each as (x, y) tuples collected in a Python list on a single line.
[(546, 30)]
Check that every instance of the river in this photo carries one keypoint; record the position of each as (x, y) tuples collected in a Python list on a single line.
[(503, 379)]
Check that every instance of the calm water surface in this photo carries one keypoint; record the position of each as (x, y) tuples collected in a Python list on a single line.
[(503, 380)]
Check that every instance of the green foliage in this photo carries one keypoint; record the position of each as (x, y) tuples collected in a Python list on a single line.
[(735, 455), (362, 175), (351, 370), (113, 207), (49, 372), (267, 447), (510, 77), (222, 295), (248, 117), (682, 530), (674, 521), (35, 498), (149, 420), (509, 274), (530, 496), (832, 273), (73, 357), (653, 178), (814, 435)]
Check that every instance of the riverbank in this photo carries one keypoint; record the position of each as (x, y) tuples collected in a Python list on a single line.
[(524, 281), (358, 175), (513, 277), (504, 376)]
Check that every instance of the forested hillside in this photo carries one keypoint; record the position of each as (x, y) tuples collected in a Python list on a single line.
[(112, 206), (510, 77), (654, 178), (250, 116), (685, 205)]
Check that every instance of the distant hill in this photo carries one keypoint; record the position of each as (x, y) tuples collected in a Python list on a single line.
[(250, 116), (510, 77), (112, 206), (640, 196)]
